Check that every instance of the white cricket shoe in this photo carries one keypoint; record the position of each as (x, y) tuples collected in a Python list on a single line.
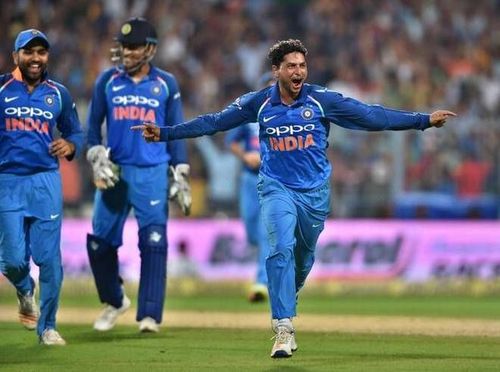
[(109, 315), (284, 343), (51, 337), (148, 324), (28, 311), (294, 347)]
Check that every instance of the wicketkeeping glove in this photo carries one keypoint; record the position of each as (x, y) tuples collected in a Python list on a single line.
[(106, 173), (179, 190)]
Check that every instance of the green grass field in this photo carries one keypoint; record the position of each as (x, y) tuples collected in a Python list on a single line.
[(218, 349), (182, 349)]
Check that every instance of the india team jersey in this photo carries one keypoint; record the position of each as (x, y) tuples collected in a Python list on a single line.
[(27, 122), (124, 103), (294, 138)]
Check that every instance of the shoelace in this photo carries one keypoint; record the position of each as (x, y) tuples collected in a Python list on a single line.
[(282, 337)]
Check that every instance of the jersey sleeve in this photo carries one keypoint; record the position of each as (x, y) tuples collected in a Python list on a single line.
[(97, 110), (4, 78), (241, 111), (69, 124), (174, 115), (353, 114)]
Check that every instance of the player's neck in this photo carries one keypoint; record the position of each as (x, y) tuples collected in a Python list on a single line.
[(140, 73), (286, 97), (31, 84)]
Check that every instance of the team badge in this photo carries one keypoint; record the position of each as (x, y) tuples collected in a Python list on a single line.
[(156, 90), (49, 100), (126, 28), (307, 114)]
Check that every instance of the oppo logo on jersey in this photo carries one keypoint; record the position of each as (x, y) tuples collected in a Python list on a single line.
[(289, 129), (28, 111), (135, 100)]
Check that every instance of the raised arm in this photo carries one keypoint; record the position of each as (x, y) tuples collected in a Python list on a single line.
[(240, 112), (353, 114)]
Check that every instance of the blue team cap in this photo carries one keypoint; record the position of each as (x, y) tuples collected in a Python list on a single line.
[(27, 36)]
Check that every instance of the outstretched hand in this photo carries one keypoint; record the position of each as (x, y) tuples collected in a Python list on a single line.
[(150, 131), (439, 117)]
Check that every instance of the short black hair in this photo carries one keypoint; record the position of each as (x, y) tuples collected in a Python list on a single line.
[(279, 50)]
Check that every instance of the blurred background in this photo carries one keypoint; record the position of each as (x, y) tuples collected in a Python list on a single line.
[(410, 54)]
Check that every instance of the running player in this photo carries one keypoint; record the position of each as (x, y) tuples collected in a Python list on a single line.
[(31, 203), (294, 188)]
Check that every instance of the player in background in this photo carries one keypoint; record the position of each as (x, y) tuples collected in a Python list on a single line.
[(294, 179), (130, 174), (243, 141), (31, 204)]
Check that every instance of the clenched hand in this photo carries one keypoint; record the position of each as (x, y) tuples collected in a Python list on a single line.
[(61, 148)]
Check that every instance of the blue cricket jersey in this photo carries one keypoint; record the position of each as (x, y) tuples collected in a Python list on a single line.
[(248, 136), (294, 138), (123, 103), (27, 122)]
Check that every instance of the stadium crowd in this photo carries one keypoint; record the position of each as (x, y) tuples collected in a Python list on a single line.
[(400, 53)]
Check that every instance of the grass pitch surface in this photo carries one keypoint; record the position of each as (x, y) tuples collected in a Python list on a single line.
[(183, 349), (228, 346)]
